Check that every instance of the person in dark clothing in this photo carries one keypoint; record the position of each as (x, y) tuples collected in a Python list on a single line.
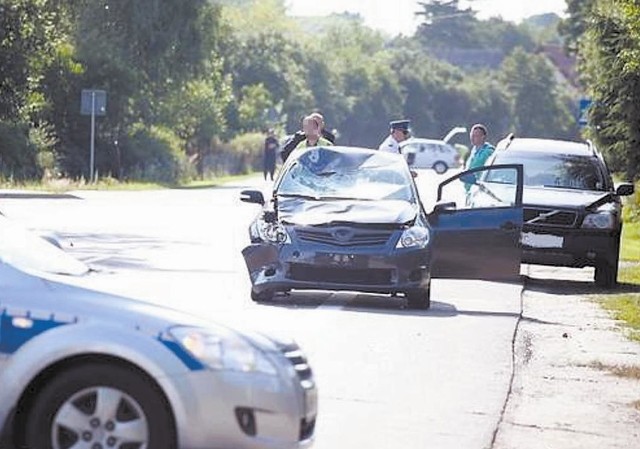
[(300, 137), (271, 145)]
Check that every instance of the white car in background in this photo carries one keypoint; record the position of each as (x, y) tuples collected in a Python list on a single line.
[(430, 153)]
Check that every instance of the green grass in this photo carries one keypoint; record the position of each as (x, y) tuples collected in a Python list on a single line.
[(630, 242), (66, 185), (626, 306)]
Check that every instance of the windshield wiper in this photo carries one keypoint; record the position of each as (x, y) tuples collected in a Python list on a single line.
[(297, 195)]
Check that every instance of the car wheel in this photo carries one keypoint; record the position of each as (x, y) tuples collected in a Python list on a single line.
[(264, 296), (419, 298), (606, 274), (99, 405), (440, 167)]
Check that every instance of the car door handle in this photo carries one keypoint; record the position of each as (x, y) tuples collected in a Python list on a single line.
[(508, 226)]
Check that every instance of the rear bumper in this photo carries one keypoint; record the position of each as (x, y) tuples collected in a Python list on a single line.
[(288, 267)]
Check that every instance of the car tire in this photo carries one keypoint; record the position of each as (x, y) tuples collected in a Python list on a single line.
[(606, 274), (419, 298), (264, 296), (440, 167), (87, 403)]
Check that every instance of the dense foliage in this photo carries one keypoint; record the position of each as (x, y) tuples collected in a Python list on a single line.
[(187, 80), (605, 34)]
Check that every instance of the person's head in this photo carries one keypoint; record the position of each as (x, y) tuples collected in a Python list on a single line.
[(311, 126), (271, 132), (478, 134), (319, 118), (400, 130)]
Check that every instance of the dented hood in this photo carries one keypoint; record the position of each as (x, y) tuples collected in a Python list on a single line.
[(309, 212)]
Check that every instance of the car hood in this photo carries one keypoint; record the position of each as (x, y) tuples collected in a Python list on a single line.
[(552, 197), (63, 297), (312, 213)]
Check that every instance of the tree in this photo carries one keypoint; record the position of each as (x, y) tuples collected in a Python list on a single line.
[(609, 52), (446, 23), (537, 110)]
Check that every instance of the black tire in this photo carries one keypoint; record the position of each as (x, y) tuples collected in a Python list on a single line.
[(440, 167), (264, 296), (606, 274), (79, 389), (419, 298)]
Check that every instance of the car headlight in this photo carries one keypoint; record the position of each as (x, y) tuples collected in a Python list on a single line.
[(222, 349), (414, 237), (599, 221), (273, 233)]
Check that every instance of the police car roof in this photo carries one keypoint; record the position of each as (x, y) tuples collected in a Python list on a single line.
[(529, 145)]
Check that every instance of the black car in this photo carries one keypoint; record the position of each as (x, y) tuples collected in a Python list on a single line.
[(572, 210), (343, 218)]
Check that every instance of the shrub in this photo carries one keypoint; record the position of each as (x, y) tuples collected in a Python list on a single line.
[(154, 153), (18, 155)]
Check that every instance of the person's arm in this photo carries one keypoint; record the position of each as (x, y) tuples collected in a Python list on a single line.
[(291, 144)]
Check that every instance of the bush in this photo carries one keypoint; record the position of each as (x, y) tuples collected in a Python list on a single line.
[(154, 153), (240, 156), (18, 155)]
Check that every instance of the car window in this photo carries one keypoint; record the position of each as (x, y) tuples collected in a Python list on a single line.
[(490, 188), (327, 174), (557, 171), (24, 250)]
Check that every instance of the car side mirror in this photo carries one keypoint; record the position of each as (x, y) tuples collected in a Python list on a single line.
[(444, 206), (252, 196), (625, 189), (414, 173)]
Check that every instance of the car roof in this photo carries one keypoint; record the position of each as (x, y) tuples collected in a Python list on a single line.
[(550, 146), (421, 140)]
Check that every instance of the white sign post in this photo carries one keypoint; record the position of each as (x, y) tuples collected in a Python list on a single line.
[(93, 102)]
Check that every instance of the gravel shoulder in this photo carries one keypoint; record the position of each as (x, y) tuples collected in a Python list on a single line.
[(576, 382)]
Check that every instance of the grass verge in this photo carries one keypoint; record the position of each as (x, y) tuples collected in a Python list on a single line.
[(66, 185)]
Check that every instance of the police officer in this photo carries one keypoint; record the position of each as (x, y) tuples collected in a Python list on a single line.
[(399, 133)]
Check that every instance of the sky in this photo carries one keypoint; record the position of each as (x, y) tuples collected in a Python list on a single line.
[(397, 16)]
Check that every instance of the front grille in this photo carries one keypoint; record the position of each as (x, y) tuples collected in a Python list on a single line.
[(339, 275), (549, 217), (344, 236), (298, 360)]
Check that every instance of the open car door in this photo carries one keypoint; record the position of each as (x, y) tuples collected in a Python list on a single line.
[(476, 224)]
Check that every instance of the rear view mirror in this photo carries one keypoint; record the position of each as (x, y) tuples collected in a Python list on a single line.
[(252, 196), (625, 189), (444, 206)]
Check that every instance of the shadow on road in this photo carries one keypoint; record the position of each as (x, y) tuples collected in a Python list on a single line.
[(376, 304)]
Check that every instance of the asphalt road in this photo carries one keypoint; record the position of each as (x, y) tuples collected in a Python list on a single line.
[(388, 377)]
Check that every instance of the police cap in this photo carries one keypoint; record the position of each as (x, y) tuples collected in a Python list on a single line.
[(402, 125)]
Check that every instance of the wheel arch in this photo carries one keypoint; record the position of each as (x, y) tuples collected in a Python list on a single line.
[(17, 424)]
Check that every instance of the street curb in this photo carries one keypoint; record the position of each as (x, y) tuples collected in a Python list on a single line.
[(13, 195)]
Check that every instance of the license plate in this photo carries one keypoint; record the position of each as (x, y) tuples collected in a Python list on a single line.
[(310, 402), (342, 260), (541, 240)]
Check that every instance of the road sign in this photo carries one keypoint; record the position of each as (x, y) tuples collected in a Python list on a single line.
[(583, 111), (93, 100)]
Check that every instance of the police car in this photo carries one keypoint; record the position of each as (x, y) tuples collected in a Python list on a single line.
[(79, 368)]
